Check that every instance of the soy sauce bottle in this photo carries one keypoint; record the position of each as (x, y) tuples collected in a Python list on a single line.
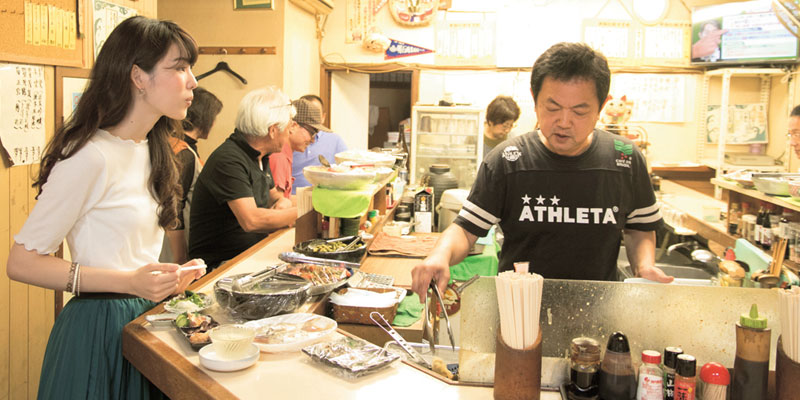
[(751, 365), (617, 377)]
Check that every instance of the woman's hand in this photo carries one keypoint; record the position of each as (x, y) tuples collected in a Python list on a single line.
[(189, 276), (154, 281)]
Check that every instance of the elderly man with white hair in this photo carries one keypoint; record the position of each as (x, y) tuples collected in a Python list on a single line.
[(235, 203)]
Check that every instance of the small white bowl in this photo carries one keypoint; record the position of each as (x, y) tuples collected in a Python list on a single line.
[(211, 359), (232, 342)]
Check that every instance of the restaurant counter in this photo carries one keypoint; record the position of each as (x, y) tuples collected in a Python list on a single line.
[(168, 361)]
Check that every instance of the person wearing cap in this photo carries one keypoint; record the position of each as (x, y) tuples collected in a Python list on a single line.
[(326, 143), (235, 203), (307, 122)]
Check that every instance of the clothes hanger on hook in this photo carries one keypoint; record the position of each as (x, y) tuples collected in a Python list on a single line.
[(222, 66)]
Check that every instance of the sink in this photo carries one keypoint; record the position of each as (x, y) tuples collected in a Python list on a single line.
[(676, 264)]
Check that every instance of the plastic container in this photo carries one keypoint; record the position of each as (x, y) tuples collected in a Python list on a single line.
[(232, 341), (450, 205), (751, 365), (651, 377), (617, 377), (715, 378)]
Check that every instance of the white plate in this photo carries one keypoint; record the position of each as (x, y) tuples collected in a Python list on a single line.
[(296, 319), (170, 305), (211, 360)]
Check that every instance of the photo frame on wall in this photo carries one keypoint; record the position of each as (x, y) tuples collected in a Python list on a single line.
[(70, 84), (252, 4)]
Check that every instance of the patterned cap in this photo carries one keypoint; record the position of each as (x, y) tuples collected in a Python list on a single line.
[(308, 114)]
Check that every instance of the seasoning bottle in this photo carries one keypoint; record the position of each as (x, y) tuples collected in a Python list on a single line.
[(685, 381), (670, 362), (759, 225), (617, 380), (651, 377), (584, 369), (766, 230), (734, 216), (715, 378), (751, 365)]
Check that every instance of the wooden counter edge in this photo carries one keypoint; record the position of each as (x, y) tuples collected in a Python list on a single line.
[(170, 371), (161, 364)]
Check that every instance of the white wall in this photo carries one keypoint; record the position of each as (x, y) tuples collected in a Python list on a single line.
[(300, 52), (350, 107)]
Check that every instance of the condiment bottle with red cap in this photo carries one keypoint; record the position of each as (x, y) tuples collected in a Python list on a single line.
[(651, 377), (715, 378)]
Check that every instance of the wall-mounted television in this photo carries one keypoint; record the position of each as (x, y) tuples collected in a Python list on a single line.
[(741, 33)]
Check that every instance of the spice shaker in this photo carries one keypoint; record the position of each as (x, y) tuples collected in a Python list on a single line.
[(715, 379), (670, 362), (584, 369), (651, 378), (685, 380), (617, 378), (751, 365)]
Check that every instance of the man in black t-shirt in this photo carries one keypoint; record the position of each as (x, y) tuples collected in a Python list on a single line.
[(235, 203), (563, 193)]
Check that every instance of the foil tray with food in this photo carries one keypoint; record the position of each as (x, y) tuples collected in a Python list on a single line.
[(278, 294), (323, 278), (347, 248), (290, 332), (194, 327), (350, 357)]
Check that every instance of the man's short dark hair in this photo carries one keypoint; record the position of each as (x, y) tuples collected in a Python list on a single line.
[(795, 111), (502, 109), (313, 97), (567, 61), (203, 111)]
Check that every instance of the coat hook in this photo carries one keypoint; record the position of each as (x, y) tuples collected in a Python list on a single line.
[(224, 51), (263, 51), (242, 51)]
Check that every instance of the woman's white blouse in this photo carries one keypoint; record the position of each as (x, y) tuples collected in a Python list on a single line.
[(99, 200)]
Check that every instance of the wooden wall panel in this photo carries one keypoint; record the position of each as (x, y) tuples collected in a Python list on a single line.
[(18, 373), (5, 243)]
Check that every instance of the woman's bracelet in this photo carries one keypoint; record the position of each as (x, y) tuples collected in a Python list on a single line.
[(78, 285), (71, 279)]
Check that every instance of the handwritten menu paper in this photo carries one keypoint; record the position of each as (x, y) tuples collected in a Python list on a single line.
[(22, 111), (656, 97)]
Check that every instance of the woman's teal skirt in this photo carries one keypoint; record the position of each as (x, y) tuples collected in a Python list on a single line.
[(84, 358)]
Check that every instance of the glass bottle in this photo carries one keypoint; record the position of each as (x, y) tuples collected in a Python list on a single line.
[(685, 380), (670, 362), (617, 380), (651, 377), (766, 229), (733, 218), (584, 369)]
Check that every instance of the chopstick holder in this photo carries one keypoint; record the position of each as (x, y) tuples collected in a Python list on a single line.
[(518, 373)]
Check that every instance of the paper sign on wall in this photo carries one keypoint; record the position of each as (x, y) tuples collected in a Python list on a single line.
[(106, 17), (22, 112)]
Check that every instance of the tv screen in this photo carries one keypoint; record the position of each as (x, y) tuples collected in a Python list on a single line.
[(740, 33)]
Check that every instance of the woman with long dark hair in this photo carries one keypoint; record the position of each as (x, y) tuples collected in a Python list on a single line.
[(108, 183)]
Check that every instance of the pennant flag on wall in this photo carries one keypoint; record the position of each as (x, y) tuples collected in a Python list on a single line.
[(401, 49)]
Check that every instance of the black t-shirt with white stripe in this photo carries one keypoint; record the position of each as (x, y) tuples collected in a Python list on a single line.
[(562, 214)]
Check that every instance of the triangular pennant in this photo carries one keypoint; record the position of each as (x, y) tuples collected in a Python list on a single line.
[(401, 49)]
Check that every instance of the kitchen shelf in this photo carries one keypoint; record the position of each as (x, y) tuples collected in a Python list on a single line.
[(734, 187), (712, 163)]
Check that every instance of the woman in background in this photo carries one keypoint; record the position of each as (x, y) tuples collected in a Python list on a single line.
[(108, 183), (197, 125)]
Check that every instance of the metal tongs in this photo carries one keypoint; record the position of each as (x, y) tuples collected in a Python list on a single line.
[(248, 281), (387, 327), (293, 257), (431, 319)]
